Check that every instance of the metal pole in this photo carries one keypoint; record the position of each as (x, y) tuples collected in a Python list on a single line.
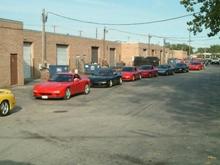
[(164, 54), (189, 43), (96, 33), (80, 33), (44, 20), (149, 47), (104, 35)]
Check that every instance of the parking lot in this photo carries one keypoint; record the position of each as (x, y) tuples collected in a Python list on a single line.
[(156, 121)]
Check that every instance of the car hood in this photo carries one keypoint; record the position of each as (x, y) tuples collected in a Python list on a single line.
[(5, 91), (51, 85), (100, 78), (162, 69), (127, 73)]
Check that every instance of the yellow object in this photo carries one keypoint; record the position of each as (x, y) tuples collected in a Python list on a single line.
[(7, 102)]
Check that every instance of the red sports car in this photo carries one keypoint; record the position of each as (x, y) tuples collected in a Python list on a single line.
[(130, 74), (148, 71), (62, 85), (196, 66)]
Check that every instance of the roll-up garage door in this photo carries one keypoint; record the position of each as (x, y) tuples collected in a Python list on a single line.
[(27, 60), (62, 55)]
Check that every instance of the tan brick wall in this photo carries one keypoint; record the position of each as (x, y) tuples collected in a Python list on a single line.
[(10, 43), (77, 46), (13, 36)]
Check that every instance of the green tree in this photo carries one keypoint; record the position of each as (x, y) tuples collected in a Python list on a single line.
[(206, 15), (214, 49), (183, 47)]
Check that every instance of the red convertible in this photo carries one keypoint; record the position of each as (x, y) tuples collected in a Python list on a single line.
[(62, 85), (148, 71), (130, 74), (196, 66)]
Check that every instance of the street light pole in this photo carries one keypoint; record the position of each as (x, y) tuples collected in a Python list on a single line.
[(189, 51)]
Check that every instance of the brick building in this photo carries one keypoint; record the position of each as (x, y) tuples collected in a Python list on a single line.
[(21, 52)]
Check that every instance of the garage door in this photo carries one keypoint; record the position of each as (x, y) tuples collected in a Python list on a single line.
[(95, 55), (27, 60), (62, 58), (112, 57)]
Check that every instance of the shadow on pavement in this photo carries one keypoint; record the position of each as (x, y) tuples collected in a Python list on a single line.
[(9, 162)]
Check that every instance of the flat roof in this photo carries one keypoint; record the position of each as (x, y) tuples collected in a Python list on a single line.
[(10, 21)]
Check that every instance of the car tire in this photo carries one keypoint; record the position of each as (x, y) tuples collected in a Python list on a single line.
[(140, 77), (133, 78), (110, 84), (67, 94), (87, 89), (120, 81), (4, 108)]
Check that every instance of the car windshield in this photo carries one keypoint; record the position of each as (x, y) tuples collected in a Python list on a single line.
[(179, 64), (103, 72), (163, 66), (127, 69), (146, 67), (61, 78), (195, 63)]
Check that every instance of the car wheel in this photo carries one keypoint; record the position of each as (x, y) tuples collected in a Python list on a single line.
[(86, 89), (120, 81), (140, 77), (110, 83), (4, 108), (67, 94), (133, 78)]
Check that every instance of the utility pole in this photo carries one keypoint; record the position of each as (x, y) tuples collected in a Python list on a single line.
[(149, 47), (80, 33), (104, 44), (164, 53), (96, 33), (189, 51), (54, 28), (44, 20)]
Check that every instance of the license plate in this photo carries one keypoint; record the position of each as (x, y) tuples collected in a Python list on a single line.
[(44, 97)]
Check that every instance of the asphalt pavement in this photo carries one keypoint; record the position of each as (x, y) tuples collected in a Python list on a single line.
[(168, 120)]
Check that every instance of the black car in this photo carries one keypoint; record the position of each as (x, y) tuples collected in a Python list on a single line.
[(105, 77), (166, 70), (181, 67)]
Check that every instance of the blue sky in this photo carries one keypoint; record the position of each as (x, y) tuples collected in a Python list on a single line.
[(110, 11)]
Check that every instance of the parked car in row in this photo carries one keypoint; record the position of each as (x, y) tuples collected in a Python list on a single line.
[(166, 70), (105, 77), (62, 85), (181, 67), (7, 102), (196, 66), (130, 74), (215, 61), (148, 71)]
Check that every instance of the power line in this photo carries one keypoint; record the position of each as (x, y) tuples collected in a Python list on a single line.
[(120, 24)]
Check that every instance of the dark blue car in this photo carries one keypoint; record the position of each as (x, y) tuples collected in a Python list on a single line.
[(166, 70), (105, 77)]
